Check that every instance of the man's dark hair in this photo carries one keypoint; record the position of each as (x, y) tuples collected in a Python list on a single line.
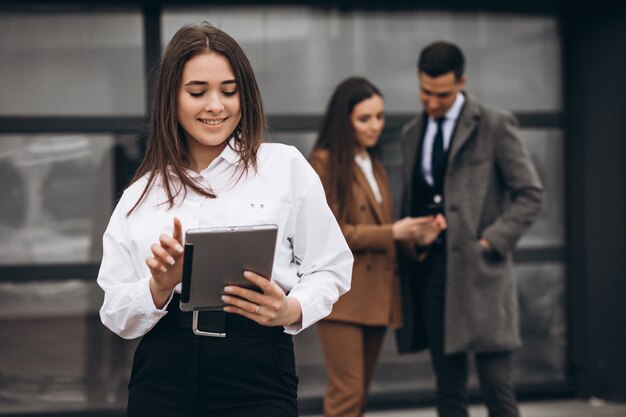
[(439, 58)]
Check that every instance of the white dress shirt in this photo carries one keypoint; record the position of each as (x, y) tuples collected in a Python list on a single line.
[(429, 136), (364, 161), (312, 262)]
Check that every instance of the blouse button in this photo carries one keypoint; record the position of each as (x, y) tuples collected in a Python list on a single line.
[(262, 206), (251, 205)]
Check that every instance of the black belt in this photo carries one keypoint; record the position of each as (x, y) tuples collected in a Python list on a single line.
[(218, 323)]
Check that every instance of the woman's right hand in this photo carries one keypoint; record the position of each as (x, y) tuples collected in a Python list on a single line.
[(166, 265), (422, 230), (432, 230), (408, 228)]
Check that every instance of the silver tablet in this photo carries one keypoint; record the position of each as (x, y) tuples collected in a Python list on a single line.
[(215, 257)]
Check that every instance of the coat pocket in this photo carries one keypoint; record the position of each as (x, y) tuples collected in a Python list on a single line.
[(491, 265)]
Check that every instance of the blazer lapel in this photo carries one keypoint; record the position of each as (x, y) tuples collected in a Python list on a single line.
[(369, 194), (467, 123), (383, 184)]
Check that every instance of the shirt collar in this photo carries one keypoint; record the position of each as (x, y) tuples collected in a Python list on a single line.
[(455, 110), (362, 157), (228, 155)]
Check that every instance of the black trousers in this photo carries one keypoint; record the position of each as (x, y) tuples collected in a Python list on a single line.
[(451, 370), (176, 373)]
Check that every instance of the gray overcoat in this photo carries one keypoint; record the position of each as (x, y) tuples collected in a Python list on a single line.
[(492, 190)]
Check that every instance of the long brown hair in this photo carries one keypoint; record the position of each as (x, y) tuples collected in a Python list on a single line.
[(337, 136), (167, 153)]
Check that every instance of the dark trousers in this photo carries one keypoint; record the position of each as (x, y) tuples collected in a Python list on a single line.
[(178, 374), (451, 370)]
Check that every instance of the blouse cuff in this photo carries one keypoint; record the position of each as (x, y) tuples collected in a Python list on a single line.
[(146, 303), (308, 317)]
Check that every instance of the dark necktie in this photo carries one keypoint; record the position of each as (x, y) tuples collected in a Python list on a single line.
[(438, 161)]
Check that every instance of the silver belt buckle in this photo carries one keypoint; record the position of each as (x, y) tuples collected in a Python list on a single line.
[(198, 332)]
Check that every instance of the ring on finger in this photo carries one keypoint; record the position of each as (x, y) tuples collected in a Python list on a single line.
[(256, 310)]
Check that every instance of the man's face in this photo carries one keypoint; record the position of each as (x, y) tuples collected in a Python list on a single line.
[(438, 93)]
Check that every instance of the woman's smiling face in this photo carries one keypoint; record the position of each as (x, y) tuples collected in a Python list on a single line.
[(209, 106)]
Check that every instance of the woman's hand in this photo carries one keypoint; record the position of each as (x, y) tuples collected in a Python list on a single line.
[(431, 227), (271, 307), (408, 228), (166, 265), (421, 230)]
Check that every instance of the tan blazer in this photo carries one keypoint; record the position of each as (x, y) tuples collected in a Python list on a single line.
[(374, 298)]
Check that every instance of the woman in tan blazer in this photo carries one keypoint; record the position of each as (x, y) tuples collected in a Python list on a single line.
[(357, 189)]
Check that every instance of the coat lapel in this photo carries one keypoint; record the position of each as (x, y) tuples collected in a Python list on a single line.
[(412, 142), (369, 194), (468, 121)]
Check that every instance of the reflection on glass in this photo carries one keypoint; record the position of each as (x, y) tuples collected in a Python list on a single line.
[(57, 355), (542, 358), (304, 141), (72, 63), (300, 53), (61, 194), (545, 147)]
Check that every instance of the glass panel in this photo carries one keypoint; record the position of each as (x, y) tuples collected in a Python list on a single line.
[(62, 192), (57, 356), (72, 63), (513, 61), (542, 295), (304, 141), (545, 147)]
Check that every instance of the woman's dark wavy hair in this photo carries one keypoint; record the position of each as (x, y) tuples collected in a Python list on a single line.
[(167, 153), (337, 136)]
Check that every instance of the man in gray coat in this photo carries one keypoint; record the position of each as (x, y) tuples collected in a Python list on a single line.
[(465, 160)]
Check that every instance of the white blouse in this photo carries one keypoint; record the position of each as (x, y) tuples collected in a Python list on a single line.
[(312, 262), (364, 161)]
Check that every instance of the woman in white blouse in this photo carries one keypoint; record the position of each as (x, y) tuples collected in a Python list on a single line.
[(346, 159), (205, 166)]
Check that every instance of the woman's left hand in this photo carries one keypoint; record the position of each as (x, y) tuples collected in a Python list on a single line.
[(271, 307)]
